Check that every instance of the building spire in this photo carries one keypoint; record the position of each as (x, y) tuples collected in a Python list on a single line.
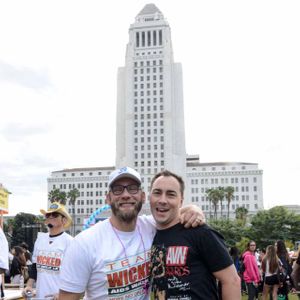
[(149, 13)]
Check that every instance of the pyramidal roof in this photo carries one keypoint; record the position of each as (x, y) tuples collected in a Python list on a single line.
[(149, 9)]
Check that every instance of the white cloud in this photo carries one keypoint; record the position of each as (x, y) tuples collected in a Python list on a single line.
[(58, 72)]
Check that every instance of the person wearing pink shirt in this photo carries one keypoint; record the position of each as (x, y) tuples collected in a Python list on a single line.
[(251, 274)]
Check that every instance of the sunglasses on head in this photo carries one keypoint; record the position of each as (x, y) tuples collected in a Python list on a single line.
[(53, 215)]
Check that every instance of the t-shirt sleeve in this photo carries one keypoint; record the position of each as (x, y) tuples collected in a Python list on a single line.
[(212, 250), (73, 277)]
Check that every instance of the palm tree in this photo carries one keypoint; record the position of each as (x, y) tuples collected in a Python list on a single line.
[(221, 193), (73, 195), (57, 195), (241, 214), (229, 191), (213, 196)]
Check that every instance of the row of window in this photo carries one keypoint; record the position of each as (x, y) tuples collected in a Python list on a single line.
[(148, 53), (224, 180), (148, 85), (148, 139), (206, 208), (82, 174), (87, 210), (149, 131), (141, 101), (148, 63), (148, 38), (234, 198), (148, 77), (155, 147), (154, 108), (148, 170), (215, 168), (148, 116), (149, 155), (148, 93), (154, 123), (80, 185), (236, 189)]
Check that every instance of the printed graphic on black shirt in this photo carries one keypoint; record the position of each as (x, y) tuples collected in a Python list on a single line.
[(168, 269)]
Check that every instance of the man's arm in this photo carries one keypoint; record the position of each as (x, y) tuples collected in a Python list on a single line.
[(231, 283), (63, 295)]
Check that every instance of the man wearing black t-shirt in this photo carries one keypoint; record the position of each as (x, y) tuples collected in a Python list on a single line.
[(186, 262)]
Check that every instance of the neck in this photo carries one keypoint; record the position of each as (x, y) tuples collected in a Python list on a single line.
[(163, 226), (121, 225), (55, 231)]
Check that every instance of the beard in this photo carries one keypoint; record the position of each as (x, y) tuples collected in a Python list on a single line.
[(129, 216)]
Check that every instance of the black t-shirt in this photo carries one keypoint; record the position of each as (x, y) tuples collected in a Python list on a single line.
[(183, 261)]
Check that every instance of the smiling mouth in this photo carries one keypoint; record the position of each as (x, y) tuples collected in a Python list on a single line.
[(127, 204), (161, 210)]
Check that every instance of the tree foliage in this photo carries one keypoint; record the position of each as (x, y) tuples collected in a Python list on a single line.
[(264, 228), (72, 196), (56, 195), (232, 230), (241, 214), (24, 229), (267, 226), (228, 192)]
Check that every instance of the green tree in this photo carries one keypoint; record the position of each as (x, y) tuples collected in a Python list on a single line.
[(267, 226), (221, 193), (229, 191), (25, 228), (241, 214), (213, 196), (56, 195), (231, 230), (73, 195)]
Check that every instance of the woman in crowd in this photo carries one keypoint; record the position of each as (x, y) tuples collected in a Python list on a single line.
[(251, 273), (283, 255), (18, 262), (296, 275), (234, 253), (270, 265)]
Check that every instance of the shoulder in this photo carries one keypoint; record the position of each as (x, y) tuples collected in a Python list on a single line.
[(96, 231), (67, 237), (207, 231), (147, 220)]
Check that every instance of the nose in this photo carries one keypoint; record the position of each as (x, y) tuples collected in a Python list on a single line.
[(125, 194), (162, 199)]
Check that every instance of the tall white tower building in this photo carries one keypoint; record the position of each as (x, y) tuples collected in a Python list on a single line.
[(150, 116), (151, 135)]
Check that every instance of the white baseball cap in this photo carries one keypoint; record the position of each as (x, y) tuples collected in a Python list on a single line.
[(125, 172)]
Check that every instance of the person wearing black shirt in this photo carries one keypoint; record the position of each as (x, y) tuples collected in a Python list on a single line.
[(193, 258)]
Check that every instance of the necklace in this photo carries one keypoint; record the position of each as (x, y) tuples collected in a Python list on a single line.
[(124, 249), (145, 284)]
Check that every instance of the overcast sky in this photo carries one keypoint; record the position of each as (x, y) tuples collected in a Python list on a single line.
[(58, 80)]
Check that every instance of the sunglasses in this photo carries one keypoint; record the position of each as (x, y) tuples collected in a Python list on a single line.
[(53, 215)]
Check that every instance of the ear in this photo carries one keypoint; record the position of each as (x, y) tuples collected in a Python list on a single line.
[(181, 202), (143, 197), (64, 220), (107, 199)]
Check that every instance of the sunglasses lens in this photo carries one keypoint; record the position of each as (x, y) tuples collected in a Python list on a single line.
[(53, 215)]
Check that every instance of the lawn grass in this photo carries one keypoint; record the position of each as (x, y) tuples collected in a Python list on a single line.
[(291, 297)]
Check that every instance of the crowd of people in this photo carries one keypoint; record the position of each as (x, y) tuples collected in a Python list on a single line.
[(271, 272), (172, 254)]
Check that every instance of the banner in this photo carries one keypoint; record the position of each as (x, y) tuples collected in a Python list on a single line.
[(4, 200)]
